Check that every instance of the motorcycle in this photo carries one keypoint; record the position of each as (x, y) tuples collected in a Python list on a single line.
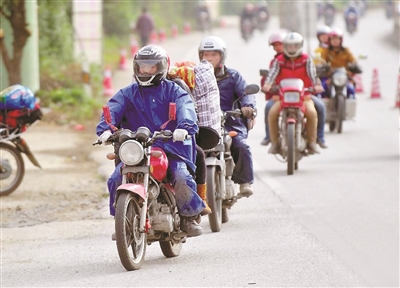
[(203, 22), (221, 190), (293, 122), (329, 14), (351, 22), (145, 205), (262, 20), (338, 107), (247, 29), (13, 123)]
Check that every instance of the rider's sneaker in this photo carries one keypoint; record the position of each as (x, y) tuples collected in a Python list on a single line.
[(275, 148), (312, 148), (265, 142), (245, 190), (190, 226), (322, 144)]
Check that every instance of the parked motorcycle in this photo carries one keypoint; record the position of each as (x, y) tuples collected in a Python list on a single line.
[(146, 209), (329, 13), (12, 167), (221, 190)]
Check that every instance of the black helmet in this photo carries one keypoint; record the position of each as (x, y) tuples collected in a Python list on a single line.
[(155, 61)]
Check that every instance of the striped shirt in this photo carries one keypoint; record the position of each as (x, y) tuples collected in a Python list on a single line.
[(206, 95)]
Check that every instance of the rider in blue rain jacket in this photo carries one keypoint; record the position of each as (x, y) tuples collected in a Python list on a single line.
[(231, 86), (146, 103)]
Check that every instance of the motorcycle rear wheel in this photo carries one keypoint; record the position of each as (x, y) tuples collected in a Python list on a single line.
[(291, 149), (12, 168), (131, 243), (214, 199)]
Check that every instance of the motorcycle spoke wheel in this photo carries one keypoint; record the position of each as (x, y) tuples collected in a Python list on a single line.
[(131, 243), (170, 249), (12, 169), (214, 199), (341, 108)]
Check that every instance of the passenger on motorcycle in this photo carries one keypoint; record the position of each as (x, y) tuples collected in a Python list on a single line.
[(338, 56), (275, 40), (293, 64), (231, 86), (146, 103), (323, 38), (202, 85)]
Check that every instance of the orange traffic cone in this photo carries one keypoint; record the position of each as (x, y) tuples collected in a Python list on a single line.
[(161, 35), (375, 90), (122, 60), (398, 92), (186, 28), (359, 85), (107, 83), (174, 31), (134, 47), (153, 37)]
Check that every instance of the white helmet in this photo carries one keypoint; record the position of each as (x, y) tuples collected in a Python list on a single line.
[(293, 44), (213, 43)]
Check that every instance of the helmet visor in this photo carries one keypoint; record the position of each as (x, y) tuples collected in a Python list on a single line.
[(149, 67), (292, 48)]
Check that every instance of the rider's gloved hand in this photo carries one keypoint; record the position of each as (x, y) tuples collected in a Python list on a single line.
[(179, 135), (247, 112), (104, 137)]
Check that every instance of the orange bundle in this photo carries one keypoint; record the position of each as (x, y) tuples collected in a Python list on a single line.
[(186, 73)]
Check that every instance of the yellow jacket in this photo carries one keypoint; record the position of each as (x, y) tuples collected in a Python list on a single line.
[(338, 59)]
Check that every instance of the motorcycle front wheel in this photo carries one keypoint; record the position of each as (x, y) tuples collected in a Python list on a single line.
[(291, 149), (170, 249), (214, 199), (341, 108), (12, 168), (131, 243)]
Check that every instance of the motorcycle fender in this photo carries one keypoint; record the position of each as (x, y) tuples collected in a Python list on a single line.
[(291, 120), (213, 161), (134, 188), (23, 147)]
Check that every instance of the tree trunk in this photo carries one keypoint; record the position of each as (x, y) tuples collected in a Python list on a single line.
[(14, 12)]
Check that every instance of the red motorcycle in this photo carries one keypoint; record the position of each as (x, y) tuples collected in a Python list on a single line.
[(293, 123), (145, 205)]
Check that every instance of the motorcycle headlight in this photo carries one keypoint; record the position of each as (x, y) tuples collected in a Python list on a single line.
[(131, 152), (291, 97), (339, 79)]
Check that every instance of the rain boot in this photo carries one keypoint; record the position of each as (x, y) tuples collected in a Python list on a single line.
[(202, 191)]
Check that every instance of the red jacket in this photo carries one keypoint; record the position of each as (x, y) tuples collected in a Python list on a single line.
[(302, 67)]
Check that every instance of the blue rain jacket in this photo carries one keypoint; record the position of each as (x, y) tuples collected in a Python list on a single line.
[(135, 106), (231, 87)]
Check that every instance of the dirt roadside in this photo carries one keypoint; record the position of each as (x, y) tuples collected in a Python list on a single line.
[(68, 188)]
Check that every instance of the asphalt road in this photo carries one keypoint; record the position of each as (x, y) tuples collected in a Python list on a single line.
[(334, 223)]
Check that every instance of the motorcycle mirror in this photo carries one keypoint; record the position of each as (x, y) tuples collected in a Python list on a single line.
[(172, 111), (264, 72), (251, 89)]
